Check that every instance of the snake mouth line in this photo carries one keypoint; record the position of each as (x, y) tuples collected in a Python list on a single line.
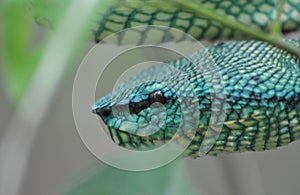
[(144, 143), (134, 142)]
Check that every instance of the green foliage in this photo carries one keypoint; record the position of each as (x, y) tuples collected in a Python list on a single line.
[(48, 12), (22, 49), (20, 53), (169, 179)]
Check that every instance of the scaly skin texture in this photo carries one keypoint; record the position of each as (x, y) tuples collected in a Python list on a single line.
[(261, 100), (255, 13), (246, 92)]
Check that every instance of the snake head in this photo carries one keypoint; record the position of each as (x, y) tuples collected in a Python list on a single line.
[(141, 115)]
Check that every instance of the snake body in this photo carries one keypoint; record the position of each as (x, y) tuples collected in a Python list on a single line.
[(126, 14), (260, 84)]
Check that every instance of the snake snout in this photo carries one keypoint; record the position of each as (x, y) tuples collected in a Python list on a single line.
[(103, 112)]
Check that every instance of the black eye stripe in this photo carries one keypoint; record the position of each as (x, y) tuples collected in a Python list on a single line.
[(136, 107), (156, 96), (105, 112)]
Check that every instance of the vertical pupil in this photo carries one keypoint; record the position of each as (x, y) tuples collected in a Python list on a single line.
[(157, 96)]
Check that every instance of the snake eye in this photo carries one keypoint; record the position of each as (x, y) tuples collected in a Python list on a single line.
[(136, 107), (157, 96)]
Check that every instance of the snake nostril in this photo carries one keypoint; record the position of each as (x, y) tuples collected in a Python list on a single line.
[(105, 112)]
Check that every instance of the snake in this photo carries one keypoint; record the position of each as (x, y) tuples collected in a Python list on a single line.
[(247, 92)]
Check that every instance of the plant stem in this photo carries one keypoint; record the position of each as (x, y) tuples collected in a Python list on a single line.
[(276, 26), (253, 32)]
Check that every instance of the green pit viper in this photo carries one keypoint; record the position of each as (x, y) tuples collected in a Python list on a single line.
[(259, 82)]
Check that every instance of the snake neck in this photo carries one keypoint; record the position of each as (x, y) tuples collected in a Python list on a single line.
[(254, 13), (261, 101)]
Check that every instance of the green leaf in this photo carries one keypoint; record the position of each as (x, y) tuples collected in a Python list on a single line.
[(22, 40), (169, 179), (20, 54), (22, 49), (48, 12)]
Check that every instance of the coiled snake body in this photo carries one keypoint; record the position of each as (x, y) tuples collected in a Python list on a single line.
[(260, 83)]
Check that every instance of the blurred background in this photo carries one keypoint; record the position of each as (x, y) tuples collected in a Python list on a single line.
[(58, 160)]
